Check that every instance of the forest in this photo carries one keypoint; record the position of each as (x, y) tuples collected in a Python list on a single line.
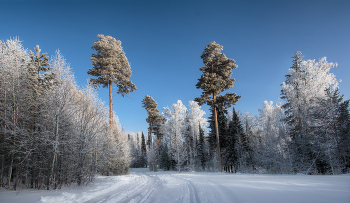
[(55, 133)]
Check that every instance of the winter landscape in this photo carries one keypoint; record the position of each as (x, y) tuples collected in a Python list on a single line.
[(230, 115), (141, 185)]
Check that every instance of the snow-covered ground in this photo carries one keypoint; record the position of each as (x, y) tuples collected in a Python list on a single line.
[(145, 186)]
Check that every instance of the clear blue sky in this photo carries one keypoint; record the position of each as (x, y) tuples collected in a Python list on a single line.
[(163, 41)]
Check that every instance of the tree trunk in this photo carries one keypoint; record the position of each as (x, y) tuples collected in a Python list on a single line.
[(16, 181), (10, 173), (217, 137), (50, 174), (2, 169), (110, 103), (217, 127), (3, 156), (151, 127)]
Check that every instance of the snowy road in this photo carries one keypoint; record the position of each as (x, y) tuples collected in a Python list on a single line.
[(143, 186)]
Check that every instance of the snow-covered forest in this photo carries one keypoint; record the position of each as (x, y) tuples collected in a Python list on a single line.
[(54, 133), (308, 132)]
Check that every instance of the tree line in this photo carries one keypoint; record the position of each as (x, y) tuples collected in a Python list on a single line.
[(309, 132), (55, 133), (52, 132)]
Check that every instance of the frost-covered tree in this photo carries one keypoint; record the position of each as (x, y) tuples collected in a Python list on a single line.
[(188, 150), (331, 132), (40, 80), (271, 153), (13, 101), (175, 128), (197, 121), (137, 159), (304, 87), (111, 67), (201, 149), (52, 133), (343, 134), (61, 101), (153, 115), (216, 78)]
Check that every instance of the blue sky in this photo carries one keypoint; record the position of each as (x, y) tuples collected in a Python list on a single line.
[(163, 41)]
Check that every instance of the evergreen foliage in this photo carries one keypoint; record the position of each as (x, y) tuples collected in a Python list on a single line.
[(305, 92), (153, 118), (111, 67), (235, 132), (52, 133), (201, 152), (216, 78)]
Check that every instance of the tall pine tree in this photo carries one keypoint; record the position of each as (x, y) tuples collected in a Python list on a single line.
[(111, 67), (217, 71)]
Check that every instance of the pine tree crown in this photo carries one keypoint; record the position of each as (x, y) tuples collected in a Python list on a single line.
[(216, 77), (111, 64)]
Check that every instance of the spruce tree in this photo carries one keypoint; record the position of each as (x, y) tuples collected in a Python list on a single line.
[(235, 133), (143, 150), (111, 67), (188, 143), (304, 92), (201, 154), (217, 71), (294, 119), (343, 127), (300, 148)]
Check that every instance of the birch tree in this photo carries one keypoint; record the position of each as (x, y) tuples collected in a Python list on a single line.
[(175, 120), (13, 61), (197, 121)]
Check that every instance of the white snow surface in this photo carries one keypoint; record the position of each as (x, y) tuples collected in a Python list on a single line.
[(141, 185)]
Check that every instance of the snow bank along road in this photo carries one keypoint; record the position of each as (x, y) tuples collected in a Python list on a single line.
[(190, 187)]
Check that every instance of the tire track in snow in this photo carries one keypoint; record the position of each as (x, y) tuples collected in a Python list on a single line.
[(141, 195), (128, 189), (193, 192), (194, 198), (220, 193)]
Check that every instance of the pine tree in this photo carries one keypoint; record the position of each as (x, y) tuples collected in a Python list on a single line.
[(111, 66), (153, 115), (216, 79)]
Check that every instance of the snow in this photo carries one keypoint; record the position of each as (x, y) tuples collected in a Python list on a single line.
[(141, 185)]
